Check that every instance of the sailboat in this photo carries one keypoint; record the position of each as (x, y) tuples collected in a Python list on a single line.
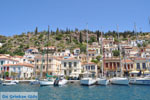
[(102, 80), (119, 80), (49, 78), (87, 76)]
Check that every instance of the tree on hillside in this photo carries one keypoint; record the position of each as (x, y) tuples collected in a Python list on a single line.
[(98, 35), (80, 38), (116, 53), (36, 30), (57, 31)]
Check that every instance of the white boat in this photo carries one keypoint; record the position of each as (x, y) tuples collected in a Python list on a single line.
[(102, 81), (60, 80), (47, 82), (9, 83), (140, 81), (119, 81), (87, 79)]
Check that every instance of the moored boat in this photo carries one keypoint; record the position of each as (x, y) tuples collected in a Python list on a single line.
[(119, 81), (140, 81), (88, 79), (9, 83), (102, 81), (60, 81)]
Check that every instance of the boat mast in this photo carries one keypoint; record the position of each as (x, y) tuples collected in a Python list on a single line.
[(102, 68), (87, 44), (120, 52), (47, 50)]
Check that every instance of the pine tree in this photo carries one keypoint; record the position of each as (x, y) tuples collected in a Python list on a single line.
[(80, 39), (36, 30), (57, 31), (98, 35)]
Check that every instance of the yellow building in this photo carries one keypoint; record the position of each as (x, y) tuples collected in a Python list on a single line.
[(54, 65)]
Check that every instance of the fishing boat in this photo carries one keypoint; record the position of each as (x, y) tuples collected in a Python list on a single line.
[(88, 79), (140, 81), (102, 80)]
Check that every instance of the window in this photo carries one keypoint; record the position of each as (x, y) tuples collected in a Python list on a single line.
[(37, 67), (75, 70), (65, 64), (2, 62), (37, 60), (88, 67), (50, 60), (70, 64), (43, 67), (138, 66), (75, 64), (144, 66), (65, 72), (43, 60), (93, 67)]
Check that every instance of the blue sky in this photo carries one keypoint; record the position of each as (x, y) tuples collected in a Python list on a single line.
[(17, 16)]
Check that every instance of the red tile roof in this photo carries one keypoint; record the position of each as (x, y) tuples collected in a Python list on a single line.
[(20, 64)]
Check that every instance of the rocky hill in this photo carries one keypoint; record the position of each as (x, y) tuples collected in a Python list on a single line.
[(17, 44)]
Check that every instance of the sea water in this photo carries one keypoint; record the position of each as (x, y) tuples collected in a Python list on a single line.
[(78, 92)]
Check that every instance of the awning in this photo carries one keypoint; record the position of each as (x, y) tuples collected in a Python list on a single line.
[(147, 72), (134, 72)]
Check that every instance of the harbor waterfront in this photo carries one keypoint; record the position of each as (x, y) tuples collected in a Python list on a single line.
[(78, 92)]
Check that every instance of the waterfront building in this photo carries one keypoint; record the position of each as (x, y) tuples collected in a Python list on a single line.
[(54, 65), (90, 67), (141, 65), (70, 66), (127, 66), (112, 65), (6, 60), (19, 70)]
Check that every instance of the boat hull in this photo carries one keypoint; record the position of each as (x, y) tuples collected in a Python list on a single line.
[(8, 84), (102, 81), (140, 82), (88, 82), (62, 82), (46, 83), (119, 81)]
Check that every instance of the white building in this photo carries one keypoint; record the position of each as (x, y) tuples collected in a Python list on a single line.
[(70, 66), (20, 70), (90, 67)]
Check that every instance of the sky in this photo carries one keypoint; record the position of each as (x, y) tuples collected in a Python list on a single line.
[(17, 16)]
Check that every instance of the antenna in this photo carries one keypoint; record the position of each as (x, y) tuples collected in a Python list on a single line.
[(87, 42)]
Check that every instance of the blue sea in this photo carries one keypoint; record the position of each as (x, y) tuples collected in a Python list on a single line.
[(77, 92)]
